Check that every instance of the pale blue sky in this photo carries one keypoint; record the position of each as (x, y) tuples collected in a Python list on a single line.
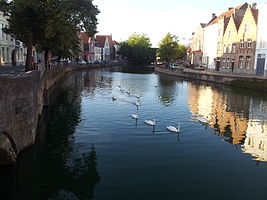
[(155, 18)]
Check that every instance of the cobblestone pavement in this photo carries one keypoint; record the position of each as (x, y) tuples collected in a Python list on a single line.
[(11, 70)]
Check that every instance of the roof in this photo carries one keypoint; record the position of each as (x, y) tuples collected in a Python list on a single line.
[(101, 40), (115, 42), (229, 13), (237, 23), (255, 13), (85, 37), (203, 25)]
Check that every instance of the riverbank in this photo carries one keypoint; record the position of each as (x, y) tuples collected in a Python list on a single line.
[(22, 98), (236, 80)]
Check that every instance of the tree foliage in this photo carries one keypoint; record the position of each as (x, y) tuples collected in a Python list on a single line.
[(170, 49), (137, 49), (52, 25)]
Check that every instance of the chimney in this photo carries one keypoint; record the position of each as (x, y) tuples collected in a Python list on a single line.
[(193, 33), (254, 6), (213, 15), (230, 8)]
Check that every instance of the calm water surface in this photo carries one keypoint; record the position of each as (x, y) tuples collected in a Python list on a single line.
[(90, 148)]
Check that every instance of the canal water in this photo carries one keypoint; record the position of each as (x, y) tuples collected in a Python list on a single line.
[(88, 146)]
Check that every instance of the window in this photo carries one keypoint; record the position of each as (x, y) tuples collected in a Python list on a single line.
[(3, 34), (248, 62), (234, 48), (229, 48), (230, 35), (219, 32), (249, 43), (225, 49), (242, 44), (219, 47), (241, 61), (223, 63), (262, 43), (228, 63), (246, 28), (261, 55), (3, 54), (7, 54)]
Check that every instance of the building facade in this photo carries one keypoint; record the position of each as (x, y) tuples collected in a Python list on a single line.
[(247, 35), (12, 51), (197, 46), (260, 64), (210, 46), (228, 23)]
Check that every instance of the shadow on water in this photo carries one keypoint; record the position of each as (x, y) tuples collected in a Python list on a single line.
[(167, 90), (134, 69), (54, 168)]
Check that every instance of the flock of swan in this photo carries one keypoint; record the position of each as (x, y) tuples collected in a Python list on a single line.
[(153, 121)]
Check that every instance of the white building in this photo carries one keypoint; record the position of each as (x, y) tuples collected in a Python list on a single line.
[(261, 47), (11, 50), (210, 46)]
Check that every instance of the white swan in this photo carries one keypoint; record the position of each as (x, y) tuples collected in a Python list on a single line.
[(174, 129), (137, 96), (151, 122), (129, 94), (137, 103), (114, 98), (134, 115), (203, 120), (121, 89)]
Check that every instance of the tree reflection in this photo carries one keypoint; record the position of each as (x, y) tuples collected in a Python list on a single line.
[(64, 173), (166, 90)]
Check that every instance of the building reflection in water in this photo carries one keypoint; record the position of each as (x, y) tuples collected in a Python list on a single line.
[(256, 137), (226, 112), (239, 119)]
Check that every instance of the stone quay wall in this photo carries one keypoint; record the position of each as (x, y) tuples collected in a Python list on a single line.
[(18, 113), (217, 77), (22, 98)]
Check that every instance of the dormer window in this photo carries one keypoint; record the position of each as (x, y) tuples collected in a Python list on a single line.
[(242, 44), (249, 43)]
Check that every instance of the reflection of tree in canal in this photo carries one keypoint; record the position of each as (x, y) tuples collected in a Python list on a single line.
[(94, 79), (166, 90), (135, 69), (60, 177)]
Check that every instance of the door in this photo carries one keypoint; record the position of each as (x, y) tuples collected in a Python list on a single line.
[(260, 66), (218, 65), (233, 66)]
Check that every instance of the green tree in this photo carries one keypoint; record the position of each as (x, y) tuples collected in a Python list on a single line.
[(170, 49), (51, 25), (137, 49)]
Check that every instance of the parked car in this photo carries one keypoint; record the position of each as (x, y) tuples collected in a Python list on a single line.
[(200, 68), (82, 62)]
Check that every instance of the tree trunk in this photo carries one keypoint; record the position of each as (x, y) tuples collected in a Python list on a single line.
[(29, 44), (46, 58)]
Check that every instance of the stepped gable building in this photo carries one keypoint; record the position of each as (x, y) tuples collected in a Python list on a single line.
[(214, 33), (84, 46), (239, 43), (105, 43)]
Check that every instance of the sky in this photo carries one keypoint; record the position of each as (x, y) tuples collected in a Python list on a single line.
[(156, 18)]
